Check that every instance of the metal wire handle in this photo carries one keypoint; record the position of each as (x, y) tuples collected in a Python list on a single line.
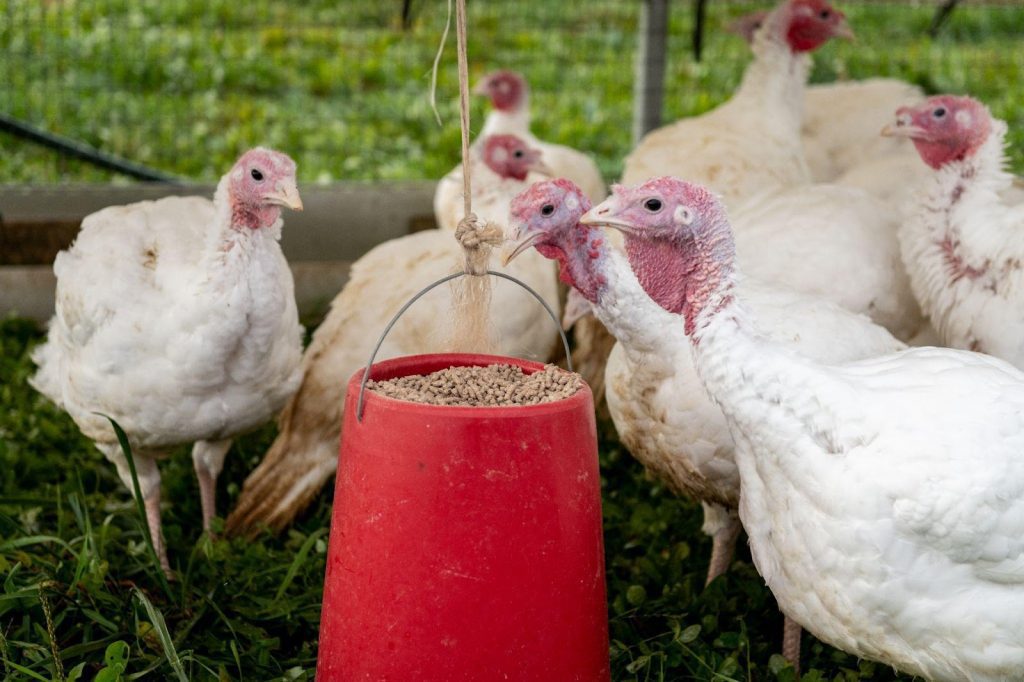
[(401, 311)]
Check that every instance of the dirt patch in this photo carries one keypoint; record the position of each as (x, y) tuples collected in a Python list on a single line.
[(490, 386)]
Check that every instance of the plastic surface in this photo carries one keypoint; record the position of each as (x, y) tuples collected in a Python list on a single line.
[(465, 541)]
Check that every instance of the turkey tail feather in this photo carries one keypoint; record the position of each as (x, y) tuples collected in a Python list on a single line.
[(290, 476)]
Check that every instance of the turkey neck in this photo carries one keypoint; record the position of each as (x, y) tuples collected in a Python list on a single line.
[(237, 253), (962, 216), (623, 306), (603, 276), (514, 121), (767, 392), (773, 84)]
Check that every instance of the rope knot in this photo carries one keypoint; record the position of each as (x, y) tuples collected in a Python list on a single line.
[(477, 237)]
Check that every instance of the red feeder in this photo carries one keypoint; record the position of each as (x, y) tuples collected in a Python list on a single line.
[(465, 541)]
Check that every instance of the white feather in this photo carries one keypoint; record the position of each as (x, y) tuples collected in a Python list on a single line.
[(172, 323), (883, 499), (963, 245)]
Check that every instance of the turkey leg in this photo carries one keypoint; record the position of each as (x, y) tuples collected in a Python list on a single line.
[(791, 643), (724, 528), (208, 459), (152, 502)]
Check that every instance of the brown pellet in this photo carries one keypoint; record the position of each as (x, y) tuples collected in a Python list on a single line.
[(490, 386)]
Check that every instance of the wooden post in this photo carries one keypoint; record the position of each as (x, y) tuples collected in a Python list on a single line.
[(649, 84)]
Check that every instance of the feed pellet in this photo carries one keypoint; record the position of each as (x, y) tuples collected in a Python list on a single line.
[(475, 386)]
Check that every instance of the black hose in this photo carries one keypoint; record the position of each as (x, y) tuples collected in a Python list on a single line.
[(80, 150)]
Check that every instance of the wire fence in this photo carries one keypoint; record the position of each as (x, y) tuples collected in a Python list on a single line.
[(184, 86)]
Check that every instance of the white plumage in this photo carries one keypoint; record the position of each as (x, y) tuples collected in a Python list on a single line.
[(177, 319), (884, 498), (749, 150), (963, 237), (834, 242), (660, 409), (842, 122), (840, 129), (491, 189), (654, 394), (750, 145), (305, 453), (510, 115), (884, 510)]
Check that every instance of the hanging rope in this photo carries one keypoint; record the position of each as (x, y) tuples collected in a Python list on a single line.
[(476, 236), (472, 295), (460, 39)]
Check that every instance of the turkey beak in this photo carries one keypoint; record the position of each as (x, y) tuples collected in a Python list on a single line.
[(522, 245), (538, 166), (843, 30), (602, 215), (285, 194), (902, 128), (481, 87)]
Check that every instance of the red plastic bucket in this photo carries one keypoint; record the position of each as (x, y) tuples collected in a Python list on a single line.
[(465, 541)]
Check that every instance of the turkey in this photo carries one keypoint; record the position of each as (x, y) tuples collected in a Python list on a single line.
[(840, 127), (660, 410), (304, 455), (177, 319), (883, 498), (749, 145), (510, 98), (501, 163), (963, 237), (826, 240)]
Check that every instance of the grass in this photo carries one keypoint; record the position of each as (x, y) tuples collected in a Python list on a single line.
[(186, 85), (72, 545)]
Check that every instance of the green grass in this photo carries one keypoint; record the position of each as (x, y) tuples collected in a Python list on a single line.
[(72, 542), (186, 85)]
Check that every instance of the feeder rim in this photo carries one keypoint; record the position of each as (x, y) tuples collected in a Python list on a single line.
[(401, 311), (445, 360)]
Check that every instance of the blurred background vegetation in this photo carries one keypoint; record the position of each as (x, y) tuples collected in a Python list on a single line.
[(185, 85)]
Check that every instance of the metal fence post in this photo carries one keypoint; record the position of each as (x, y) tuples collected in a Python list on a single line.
[(649, 84)]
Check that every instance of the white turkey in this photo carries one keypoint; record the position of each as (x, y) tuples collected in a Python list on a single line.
[(750, 145), (661, 411), (510, 114), (499, 165), (177, 319), (840, 127), (825, 240), (305, 453), (883, 498), (963, 236)]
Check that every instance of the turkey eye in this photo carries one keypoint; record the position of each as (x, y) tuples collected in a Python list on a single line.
[(825, 14), (547, 209), (939, 113), (518, 153), (256, 175), (653, 205)]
